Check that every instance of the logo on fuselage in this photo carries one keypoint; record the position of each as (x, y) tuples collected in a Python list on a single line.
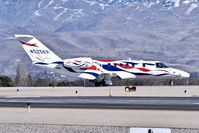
[(39, 51)]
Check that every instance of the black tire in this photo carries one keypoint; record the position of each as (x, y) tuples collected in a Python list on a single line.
[(133, 88), (97, 84), (104, 83)]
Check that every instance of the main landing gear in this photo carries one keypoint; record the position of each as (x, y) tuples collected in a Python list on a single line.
[(102, 83)]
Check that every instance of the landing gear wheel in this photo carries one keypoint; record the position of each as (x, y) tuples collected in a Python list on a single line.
[(133, 88), (130, 89), (97, 84), (127, 88), (103, 83)]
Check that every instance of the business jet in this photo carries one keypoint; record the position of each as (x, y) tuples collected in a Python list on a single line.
[(98, 71)]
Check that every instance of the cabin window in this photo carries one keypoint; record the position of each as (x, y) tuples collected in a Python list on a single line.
[(144, 65), (121, 64), (161, 65)]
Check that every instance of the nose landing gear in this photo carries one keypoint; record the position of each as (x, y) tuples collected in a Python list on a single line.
[(130, 88)]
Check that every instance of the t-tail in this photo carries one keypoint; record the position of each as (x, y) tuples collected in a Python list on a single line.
[(39, 53)]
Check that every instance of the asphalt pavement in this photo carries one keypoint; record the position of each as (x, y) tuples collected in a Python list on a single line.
[(101, 102)]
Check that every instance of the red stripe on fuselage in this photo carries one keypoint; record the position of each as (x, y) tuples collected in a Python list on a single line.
[(78, 61), (144, 69), (163, 70), (127, 67), (89, 68), (106, 60), (28, 44)]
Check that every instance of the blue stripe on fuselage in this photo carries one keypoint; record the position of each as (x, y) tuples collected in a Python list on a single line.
[(58, 62), (140, 74), (111, 68), (165, 74), (41, 63), (69, 69), (132, 63)]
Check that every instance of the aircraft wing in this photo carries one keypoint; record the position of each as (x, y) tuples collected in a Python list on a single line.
[(125, 75), (89, 75)]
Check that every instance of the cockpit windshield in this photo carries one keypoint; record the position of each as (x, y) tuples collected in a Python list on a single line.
[(161, 65)]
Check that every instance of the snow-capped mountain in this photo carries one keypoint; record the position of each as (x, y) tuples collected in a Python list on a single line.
[(166, 30)]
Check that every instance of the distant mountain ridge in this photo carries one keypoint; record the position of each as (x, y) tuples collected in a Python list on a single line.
[(165, 30)]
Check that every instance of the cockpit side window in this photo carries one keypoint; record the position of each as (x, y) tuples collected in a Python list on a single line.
[(161, 65)]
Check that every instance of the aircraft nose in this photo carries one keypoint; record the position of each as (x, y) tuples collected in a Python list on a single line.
[(184, 74), (181, 73)]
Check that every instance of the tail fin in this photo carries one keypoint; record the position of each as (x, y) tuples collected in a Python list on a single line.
[(36, 50)]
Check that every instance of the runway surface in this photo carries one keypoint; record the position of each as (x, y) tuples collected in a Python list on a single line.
[(166, 103), (142, 91), (101, 117), (149, 106)]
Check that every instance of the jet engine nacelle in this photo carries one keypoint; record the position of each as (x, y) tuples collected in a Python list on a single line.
[(78, 63)]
